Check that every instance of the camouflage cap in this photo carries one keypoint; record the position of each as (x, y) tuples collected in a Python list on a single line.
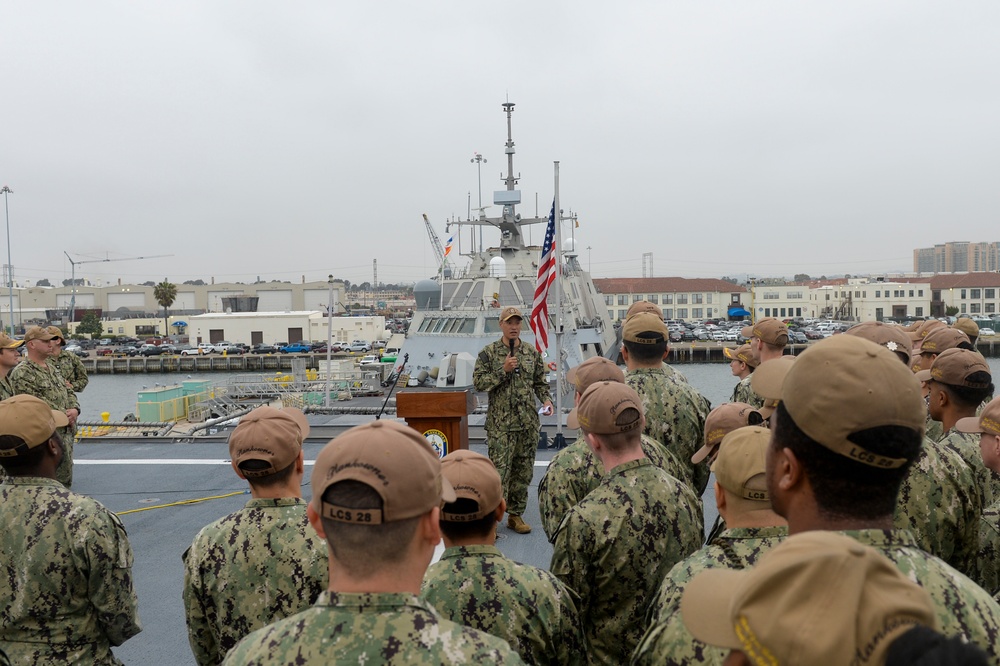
[(742, 353), (988, 420), (644, 328), (596, 369), (271, 435), (723, 420), (643, 306), (509, 312), (955, 366), (890, 336), (30, 420), (607, 408), (392, 459), (37, 333), (944, 338), (967, 326), (740, 465), (769, 329), (842, 385), (474, 477), (819, 597), (55, 331), (8, 342)]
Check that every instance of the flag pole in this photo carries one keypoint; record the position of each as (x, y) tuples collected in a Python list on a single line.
[(559, 312)]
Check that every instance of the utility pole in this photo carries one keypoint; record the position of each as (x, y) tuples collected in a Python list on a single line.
[(10, 268)]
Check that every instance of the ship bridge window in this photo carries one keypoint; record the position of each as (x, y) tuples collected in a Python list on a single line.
[(476, 297), (466, 325), (462, 294), (525, 290), (426, 325), (447, 292), (492, 325)]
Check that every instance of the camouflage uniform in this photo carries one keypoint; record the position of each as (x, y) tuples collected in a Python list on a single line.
[(967, 446), (575, 471), (385, 629), (667, 640), (989, 550), (939, 504), (743, 392), (675, 415), (528, 607), (933, 430), (45, 383), (66, 566), (256, 565), (962, 607), (72, 370), (6, 390), (615, 547), (512, 423), (674, 373)]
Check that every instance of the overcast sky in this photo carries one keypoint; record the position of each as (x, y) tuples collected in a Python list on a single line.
[(291, 139)]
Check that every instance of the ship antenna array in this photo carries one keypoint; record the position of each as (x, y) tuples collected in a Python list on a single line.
[(73, 264)]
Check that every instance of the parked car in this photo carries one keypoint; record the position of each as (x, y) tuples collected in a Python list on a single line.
[(105, 351), (358, 346), (797, 337), (986, 332), (78, 351), (227, 348), (150, 350), (369, 358), (261, 348), (206, 347), (296, 348), (188, 350)]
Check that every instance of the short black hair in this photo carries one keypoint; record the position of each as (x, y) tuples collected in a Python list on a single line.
[(647, 352), (268, 481), (845, 488), (479, 528), (26, 463), (970, 398)]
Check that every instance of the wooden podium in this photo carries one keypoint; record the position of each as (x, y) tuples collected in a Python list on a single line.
[(440, 416)]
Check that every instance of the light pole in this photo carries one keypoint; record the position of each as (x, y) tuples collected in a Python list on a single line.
[(10, 269), (479, 159), (329, 339)]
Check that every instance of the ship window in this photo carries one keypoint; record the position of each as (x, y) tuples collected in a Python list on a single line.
[(527, 289), (492, 325), (508, 295), (461, 295), (447, 292), (439, 324), (467, 325), (475, 299), (425, 325)]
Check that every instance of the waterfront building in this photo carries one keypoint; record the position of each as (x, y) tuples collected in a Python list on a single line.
[(679, 298)]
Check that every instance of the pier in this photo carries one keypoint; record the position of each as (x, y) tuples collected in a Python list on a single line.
[(125, 365)]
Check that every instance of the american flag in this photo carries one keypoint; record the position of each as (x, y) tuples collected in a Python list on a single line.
[(546, 276)]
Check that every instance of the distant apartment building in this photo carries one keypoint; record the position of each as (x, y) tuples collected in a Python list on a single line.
[(957, 257), (972, 294), (679, 298)]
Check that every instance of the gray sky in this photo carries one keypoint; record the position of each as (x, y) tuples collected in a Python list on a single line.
[(296, 139)]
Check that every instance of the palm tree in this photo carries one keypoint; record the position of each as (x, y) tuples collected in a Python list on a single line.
[(165, 294)]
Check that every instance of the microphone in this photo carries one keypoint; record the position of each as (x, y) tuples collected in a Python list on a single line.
[(517, 370)]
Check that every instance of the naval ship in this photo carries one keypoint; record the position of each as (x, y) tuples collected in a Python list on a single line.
[(457, 311)]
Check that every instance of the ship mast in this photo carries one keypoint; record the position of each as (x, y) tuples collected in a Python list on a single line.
[(509, 148)]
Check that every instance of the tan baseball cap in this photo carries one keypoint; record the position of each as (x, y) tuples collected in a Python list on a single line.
[(768, 385), (645, 328), (474, 477), (55, 331), (272, 435), (509, 312), (392, 459), (37, 333), (742, 353), (596, 369), (29, 419), (944, 338), (842, 385), (890, 336), (740, 465), (955, 366), (817, 598), (967, 326), (769, 329), (7, 342), (607, 408), (988, 420), (723, 420), (644, 306)]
